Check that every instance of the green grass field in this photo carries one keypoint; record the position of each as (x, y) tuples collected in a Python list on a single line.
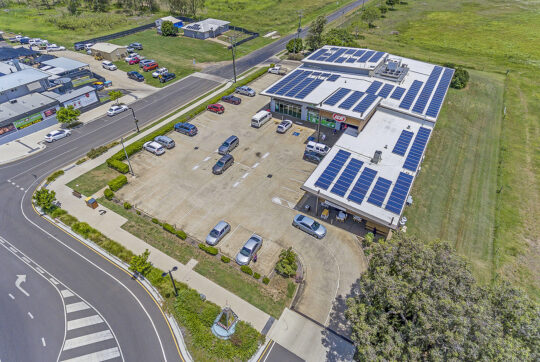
[(93, 181), (480, 183)]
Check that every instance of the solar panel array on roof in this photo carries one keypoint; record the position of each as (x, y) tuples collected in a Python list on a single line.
[(287, 87), (374, 87), (325, 74), (351, 100), (398, 93), (438, 97), (350, 51), (361, 187), (365, 103), (385, 91), (333, 78), (359, 52), (417, 149), (424, 96), (403, 142), (310, 88), (317, 54), (284, 81), (366, 56), (299, 86), (335, 55), (347, 177), (340, 60), (350, 60), (378, 194), (333, 168), (411, 95), (316, 74), (399, 193), (375, 58), (337, 96)]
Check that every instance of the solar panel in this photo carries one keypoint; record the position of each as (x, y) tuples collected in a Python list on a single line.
[(398, 93), (424, 96), (336, 97), (333, 78), (385, 91), (365, 103), (335, 55), (284, 81), (353, 98), (403, 142), (440, 92), (287, 87), (346, 178), (350, 60), (374, 87), (399, 193), (366, 56), (361, 187), (310, 88), (417, 149), (316, 74), (411, 95), (378, 194), (299, 87), (325, 74), (375, 58), (333, 168), (359, 52), (340, 60), (350, 51), (317, 54)]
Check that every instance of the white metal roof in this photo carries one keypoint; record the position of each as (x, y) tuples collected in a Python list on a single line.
[(20, 78), (66, 64), (206, 25), (72, 93), (107, 47), (24, 104)]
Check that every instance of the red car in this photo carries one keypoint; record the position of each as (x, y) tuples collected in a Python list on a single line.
[(216, 108), (150, 66), (134, 61)]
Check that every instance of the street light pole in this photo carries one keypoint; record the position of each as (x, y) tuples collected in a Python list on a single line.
[(127, 157), (319, 125), (300, 13), (232, 39), (135, 119), (172, 279)]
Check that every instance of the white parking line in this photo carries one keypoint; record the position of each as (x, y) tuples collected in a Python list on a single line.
[(255, 165), (87, 339), (11, 296), (66, 293), (236, 184), (266, 155), (206, 159), (245, 175), (43, 342), (30, 315), (84, 322), (104, 355), (75, 307), (195, 167)]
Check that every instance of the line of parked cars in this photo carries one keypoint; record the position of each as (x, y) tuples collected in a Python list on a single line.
[(227, 160), (247, 252), (159, 144)]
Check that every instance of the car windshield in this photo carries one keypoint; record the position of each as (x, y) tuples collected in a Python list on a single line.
[(220, 163), (245, 251), (315, 225), (225, 144), (214, 233)]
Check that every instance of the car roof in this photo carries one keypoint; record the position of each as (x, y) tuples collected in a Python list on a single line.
[(221, 225), (226, 157), (231, 138), (164, 138), (251, 243)]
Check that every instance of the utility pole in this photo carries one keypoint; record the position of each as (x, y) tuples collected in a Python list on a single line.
[(232, 39), (300, 13), (127, 157), (172, 279), (135, 119)]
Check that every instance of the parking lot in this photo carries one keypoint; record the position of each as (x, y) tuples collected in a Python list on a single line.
[(256, 195)]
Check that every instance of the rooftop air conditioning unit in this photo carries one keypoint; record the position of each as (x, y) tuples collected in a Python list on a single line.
[(377, 157), (13, 101)]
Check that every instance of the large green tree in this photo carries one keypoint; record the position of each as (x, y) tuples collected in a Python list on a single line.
[(339, 37), (67, 115), (419, 301), (370, 15), (140, 263), (295, 45), (44, 199), (314, 39), (168, 29)]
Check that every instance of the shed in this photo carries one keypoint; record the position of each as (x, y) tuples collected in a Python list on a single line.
[(208, 28), (109, 51), (176, 22)]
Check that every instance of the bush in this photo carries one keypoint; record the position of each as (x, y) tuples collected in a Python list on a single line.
[(96, 152), (181, 234), (225, 259), (127, 205), (209, 249), (368, 239), (55, 175), (266, 280), (168, 29), (82, 160), (460, 78), (286, 265), (82, 228), (58, 212), (256, 276), (295, 45), (155, 221), (169, 228), (109, 194), (291, 287), (246, 269), (116, 183), (118, 165), (68, 219)]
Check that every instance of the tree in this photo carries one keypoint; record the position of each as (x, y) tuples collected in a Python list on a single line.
[(339, 37), (391, 3), (178, 6), (168, 29), (194, 6), (286, 265), (460, 78), (314, 39), (369, 16), (115, 95), (383, 9), (419, 301), (295, 46), (73, 6), (44, 199), (140, 263), (67, 115)]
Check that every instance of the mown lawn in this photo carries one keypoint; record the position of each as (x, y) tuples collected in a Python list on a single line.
[(93, 181)]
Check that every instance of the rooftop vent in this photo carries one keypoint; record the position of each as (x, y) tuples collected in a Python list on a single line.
[(377, 157), (13, 101)]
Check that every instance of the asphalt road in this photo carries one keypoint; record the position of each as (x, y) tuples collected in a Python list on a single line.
[(134, 322), (275, 352)]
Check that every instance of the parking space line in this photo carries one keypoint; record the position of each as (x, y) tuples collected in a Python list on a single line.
[(255, 165), (236, 184), (245, 175), (207, 158), (195, 167), (266, 155)]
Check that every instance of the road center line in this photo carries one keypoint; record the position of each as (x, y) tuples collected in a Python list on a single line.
[(43, 341), (30, 315), (11, 296)]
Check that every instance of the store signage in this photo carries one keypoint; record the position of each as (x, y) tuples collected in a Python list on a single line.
[(4, 130), (339, 117), (49, 112), (28, 121)]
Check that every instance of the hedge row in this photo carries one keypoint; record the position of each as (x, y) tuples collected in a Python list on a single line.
[(115, 160), (116, 183), (108, 194), (209, 249), (55, 175), (168, 227)]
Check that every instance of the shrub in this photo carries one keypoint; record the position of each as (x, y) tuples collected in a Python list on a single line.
[(368, 239), (225, 259), (127, 205), (295, 45), (291, 287), (118, 165), (108, 194), (138, 212), (82, 228), (96, 152), (256, 275), (58, 212), (168, 29), (68, 219), (116, 183), (209, 249), (82, 160), (169, 228), (155, 221), (286, 265), (460, 78), (55, 175), (181, 234), (266, 280), (246, 269)]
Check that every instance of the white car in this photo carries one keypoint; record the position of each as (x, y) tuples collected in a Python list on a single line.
[(159, 72), (34, 41), (154, 148), (54, 47), (108, 65), (275, 70), (284, 126), (117, 109), (131, 56), (56, 135)]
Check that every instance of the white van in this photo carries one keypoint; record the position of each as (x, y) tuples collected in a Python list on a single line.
[(260, 118), (319, 148)]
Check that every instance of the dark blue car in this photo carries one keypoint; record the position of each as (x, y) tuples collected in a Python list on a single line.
[(186, 128), (135, 76)]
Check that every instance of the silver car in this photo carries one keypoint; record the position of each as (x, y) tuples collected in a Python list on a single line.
[(165, 141), (154, 148), (217, 233), (249, 249), (284, 126), (309, 225)]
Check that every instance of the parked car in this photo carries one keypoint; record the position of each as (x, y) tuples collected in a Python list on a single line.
[(150, 66), (250, 248), (13, 40), (186, 128), (275, 69), (154, 148), (79, 46), (231, 99), (98, 85), (135, 76), (217, 233), (34, 41), (117, 109), (166, 77), (131, 56), (159, 72), (134, 60), (216, 108), (130, 50), (137, 46), (165, 141), (230, 144), (145, 61), (313, 157), (56, 135), (319, 148), (284, 126), (106, 64), (24, 40), (245, 90), (223, 164), (260, 118), (54, 48), (309, 226)]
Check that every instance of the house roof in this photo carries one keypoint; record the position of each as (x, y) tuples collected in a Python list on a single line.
[(72, 93), (7, 53), (65, 63), (206, 25), (107, 47), (172, 19), (22, 77), (24, 105)]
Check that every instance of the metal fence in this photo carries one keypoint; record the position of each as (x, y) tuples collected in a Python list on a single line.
[(118, 35)]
